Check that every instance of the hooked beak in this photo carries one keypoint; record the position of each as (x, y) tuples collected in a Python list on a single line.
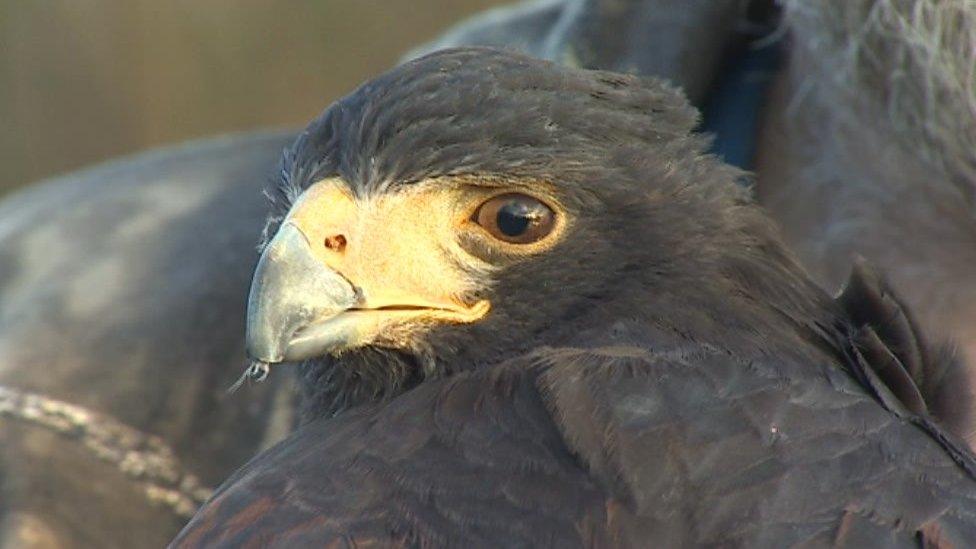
[(292, 298)]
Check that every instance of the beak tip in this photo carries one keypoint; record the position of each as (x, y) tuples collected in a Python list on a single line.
[(262, 350), (265, 358)]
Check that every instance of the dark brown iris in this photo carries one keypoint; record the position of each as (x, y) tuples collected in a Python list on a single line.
[(515, 218)]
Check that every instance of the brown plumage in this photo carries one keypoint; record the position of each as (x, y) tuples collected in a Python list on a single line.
[(663, 374)]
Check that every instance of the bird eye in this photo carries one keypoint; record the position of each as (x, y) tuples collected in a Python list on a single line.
[(515, 218)]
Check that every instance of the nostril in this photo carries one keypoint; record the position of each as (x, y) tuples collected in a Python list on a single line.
[(336, 243)]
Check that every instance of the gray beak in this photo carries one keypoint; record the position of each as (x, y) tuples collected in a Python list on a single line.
[(291, 294)]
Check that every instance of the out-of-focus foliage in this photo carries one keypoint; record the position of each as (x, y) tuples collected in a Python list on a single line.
[(84, 80)]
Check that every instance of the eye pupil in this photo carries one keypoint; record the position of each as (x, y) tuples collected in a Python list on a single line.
[(513, 219)]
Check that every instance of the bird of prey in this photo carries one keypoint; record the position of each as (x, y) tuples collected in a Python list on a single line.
[(530, 310)]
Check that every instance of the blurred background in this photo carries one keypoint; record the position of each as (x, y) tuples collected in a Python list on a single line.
[(85, 80)]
